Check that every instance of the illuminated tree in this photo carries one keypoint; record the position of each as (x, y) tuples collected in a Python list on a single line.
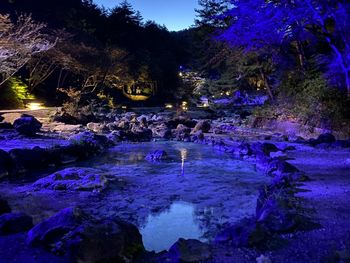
[(19, 42), (260, 23)]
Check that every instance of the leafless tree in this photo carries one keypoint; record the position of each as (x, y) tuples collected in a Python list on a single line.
[(19, 41)]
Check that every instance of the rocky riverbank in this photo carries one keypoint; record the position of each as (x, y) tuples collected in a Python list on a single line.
[(283, 214)]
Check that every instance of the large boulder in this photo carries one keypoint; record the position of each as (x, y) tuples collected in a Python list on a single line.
[(11, 223), (161, 131), (189, 251), (97, 127), (182, 132), (75, 178), (86, 239), (276, 211), (140, 134), (265, 148), (27, 125), (6, 164), (90, 140), (28, 159), (202, 125)]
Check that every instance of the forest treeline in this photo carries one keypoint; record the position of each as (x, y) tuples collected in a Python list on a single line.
[(89, 48), (297, 53)]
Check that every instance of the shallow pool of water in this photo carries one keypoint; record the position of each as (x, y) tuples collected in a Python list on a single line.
[(189, 195), (192, 194), (163, 230)]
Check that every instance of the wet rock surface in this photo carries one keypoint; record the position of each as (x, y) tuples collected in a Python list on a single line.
[(280, 212), (27, 125), (75, 178), (86, 239)]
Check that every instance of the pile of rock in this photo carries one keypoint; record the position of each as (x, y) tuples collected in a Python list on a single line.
[(83, 238)]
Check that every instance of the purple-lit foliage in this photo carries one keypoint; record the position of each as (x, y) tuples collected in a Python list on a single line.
[(256, 24)]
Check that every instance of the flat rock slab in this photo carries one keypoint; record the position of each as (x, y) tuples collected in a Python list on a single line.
[(29, 143)]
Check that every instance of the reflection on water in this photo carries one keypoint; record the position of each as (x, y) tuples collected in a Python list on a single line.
[(163, 230), (183, 153)]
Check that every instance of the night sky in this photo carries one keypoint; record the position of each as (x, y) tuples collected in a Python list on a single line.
[(174, 14)]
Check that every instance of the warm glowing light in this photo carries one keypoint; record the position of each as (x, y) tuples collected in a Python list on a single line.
[(124, 107), (181, 74), (184, 103), (228, 93), (183, 153), (35, 106), (169, 106)]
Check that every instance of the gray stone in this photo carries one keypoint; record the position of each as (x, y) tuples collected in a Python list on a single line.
[(75, 178), (27, 125)]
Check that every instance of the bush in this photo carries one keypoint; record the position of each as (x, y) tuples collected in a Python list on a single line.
[(308, 99), (14, 93)]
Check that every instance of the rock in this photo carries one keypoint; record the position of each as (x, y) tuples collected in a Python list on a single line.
[(97, 127), (66, 128), (5, 125), (140, 134), (4, 207), (64, 117), (243, 149), (265, 148), (115, 136), (28, 159), (277, 154), (75, 178), (275, 211), (112, 126), (27, 125), (123, 124), (197, 136), (325, 138), (245, 233), (157, 155), (11, 223), (181, 120), (190, 250), (181, 132), (203, 126), (6, 164), (161, 131), (89, 139), (87, 239)]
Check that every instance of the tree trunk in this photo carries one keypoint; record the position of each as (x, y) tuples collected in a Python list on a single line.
[(301, 54), (267, 85)]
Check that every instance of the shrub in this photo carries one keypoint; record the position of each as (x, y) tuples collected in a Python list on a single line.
[(14, 93)]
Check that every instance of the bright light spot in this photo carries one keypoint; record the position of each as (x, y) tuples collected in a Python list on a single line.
[(124, 107), (169, 106), (181, 74), (183, 153), (184, 103), (35, 106), (228, 93)]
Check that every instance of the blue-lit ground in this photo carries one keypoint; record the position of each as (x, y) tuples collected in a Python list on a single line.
[(212, 190)]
